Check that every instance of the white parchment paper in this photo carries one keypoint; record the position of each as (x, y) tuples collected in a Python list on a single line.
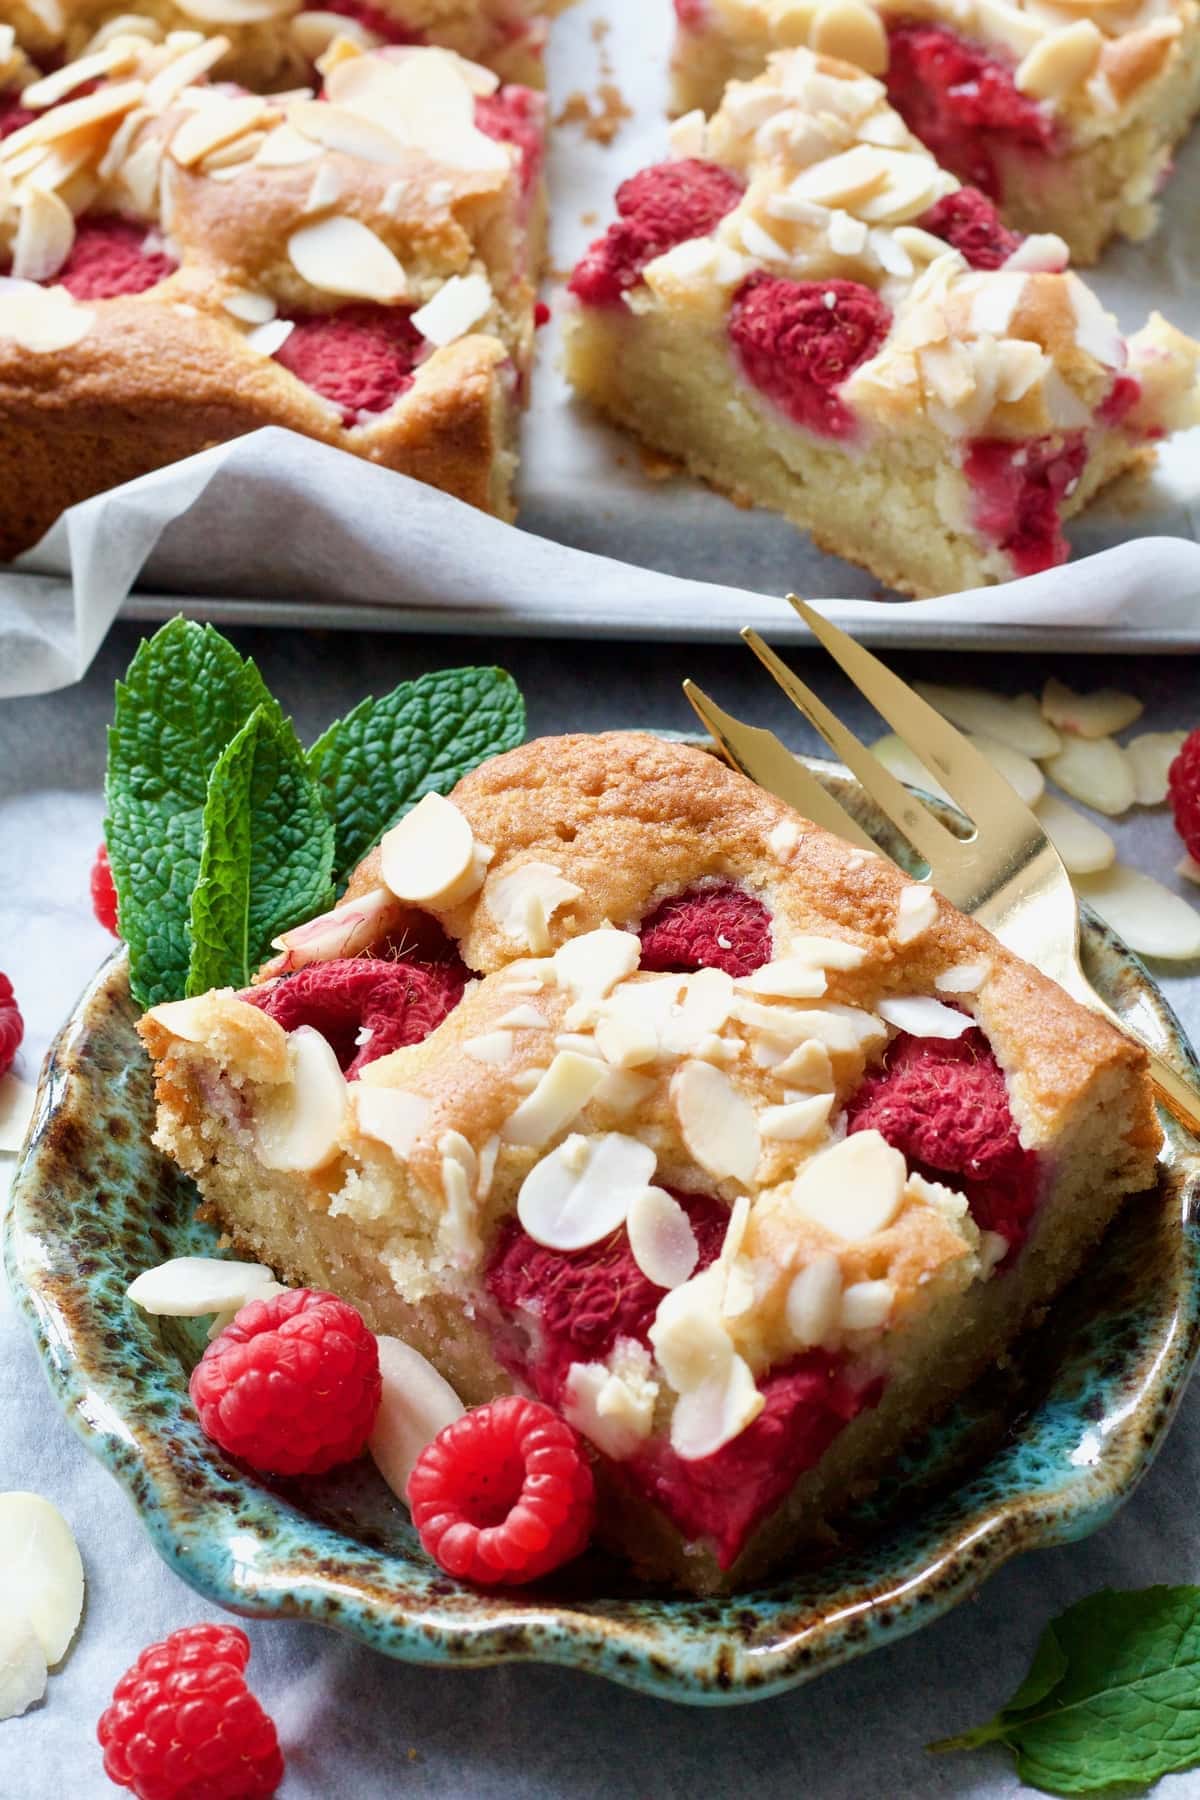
[(275, 526)]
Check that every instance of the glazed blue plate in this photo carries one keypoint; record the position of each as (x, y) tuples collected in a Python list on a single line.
[(1042, 1454)]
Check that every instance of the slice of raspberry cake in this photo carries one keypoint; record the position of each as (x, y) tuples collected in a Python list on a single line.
[(805, 310), (276, 43), (739, 1149), (189, 261), (1065, 115)]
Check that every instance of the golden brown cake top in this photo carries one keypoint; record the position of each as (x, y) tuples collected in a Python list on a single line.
[(582, 1091), (836, 187)]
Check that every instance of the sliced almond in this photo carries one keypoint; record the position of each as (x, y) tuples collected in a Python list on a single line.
[(717, 1122), (787, 978), (426, 99), (45, 233), (847, 180), (561, 1094), (916, 913), (1150, 757), (191, 1287), (1095, 715), (22, 1662), (53, 88), (428, 859), (492, 1047), (922, 1016), (867, 1305), (613, 1407), (341, 255), (415, 1404), (1084, 846), (827, 952), (336, 128), (661, 1238), (914, 182), (1016, 722), (524, 900), (710, 1416), (1020, 771), (963, 978), (854, 1189), (349, 928), (812, 1310), (297, 1125), (1096, 771), (707, 1003), (583, 1190), (211, 126), (236, 12), (896, 757), (1149, 917), (285, 146), (796, 1121), (1061, 62), (455, 309), (41, 1574), (852, 32), (590, 965)]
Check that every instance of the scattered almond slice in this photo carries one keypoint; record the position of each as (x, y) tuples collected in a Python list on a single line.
[(393, 1116), (415, 1405), (1084, 846), (1096, 771), (583, 1190), (562, 1091), (853, 1189), (1096, 715), (1017, 723), (1149, 917), (41, 1574), (1019, 770), (661, 1238), (22, 1663), (814, 1301), (709, 1416), (298, 1123), (796, 1120), (341, 255), (1151, 755), (191, 1287), (922, 1016), (717, 1122)]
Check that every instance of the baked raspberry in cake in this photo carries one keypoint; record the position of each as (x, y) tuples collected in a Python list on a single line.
[(189, 261), (740, 1150), (276, 43), (1066, 116), (804, 309)]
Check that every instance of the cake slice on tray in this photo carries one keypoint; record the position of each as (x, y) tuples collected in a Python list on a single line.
[(805, 310), (275, 43), (189, 262), (614, 1081), (1065, 115)]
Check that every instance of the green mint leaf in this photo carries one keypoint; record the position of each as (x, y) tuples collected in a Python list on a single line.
[(381, 758), (267, 853), (1112, 1699), (185, 696)]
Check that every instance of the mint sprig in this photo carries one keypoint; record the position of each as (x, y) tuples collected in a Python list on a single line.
[(1112, 1697), (377, 762), (267, 853), (187, 693)]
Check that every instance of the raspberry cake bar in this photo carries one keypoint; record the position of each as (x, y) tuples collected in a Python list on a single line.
[(1063, 114), (804, 309), (275, 43), (188, 261), (614, 1081)]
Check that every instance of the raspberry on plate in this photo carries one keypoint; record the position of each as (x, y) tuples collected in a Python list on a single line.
[(1183, 784), (12, 1025), (504, 1494), (104, 892), (292, 1386), (183, 1725)]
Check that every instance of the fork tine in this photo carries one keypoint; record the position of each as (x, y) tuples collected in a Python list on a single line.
[(927, 836), (771, 765), (965, 772)]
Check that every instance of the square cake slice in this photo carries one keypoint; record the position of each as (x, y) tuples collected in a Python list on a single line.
[(804, 309), (1065, 116), (740, 1149), (189, 261), (276, 43)]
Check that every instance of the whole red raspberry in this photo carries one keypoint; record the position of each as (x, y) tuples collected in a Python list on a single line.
[(12, 1025), (943, 1103), (104, 892), (360, 357), (183, 1725), (1183, 784), (968, 222), (799, 341), (112, 256), (717, 927), (396, 1003), (504, 1494), (659, 207), (292, 1386)]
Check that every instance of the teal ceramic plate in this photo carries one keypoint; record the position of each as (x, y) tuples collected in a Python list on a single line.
[(1021, 1463)]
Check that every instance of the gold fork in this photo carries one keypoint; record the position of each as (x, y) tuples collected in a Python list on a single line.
[(1006, 872)]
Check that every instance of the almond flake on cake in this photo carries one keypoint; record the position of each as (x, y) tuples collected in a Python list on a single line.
[(747, 1274), (1066, 115), (808, 312), (187, 262)]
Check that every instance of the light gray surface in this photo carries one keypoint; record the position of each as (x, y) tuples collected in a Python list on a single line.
[(354, 1726)]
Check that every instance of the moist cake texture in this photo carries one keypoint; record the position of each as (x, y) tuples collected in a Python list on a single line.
[(725, 1139), (189, 261), (804, 309), (1064, 115)]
